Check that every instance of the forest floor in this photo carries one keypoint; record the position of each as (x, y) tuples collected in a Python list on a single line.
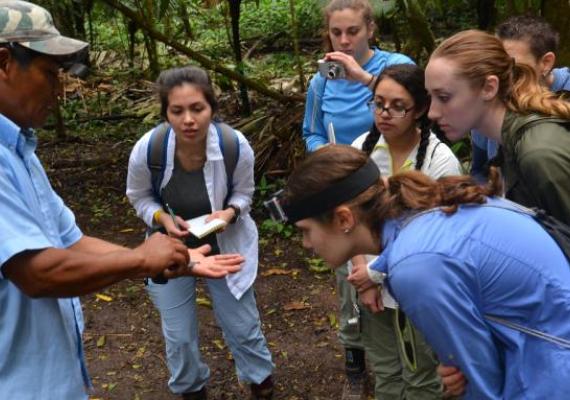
[(123, 340)]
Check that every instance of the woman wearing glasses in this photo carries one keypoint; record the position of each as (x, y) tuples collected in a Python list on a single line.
[(338, 108), (400, 140)]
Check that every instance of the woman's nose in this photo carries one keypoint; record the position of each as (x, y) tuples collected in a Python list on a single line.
[(433, 113), (188, 118)]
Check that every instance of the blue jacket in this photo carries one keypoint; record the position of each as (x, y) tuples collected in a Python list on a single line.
[(343, 103), (448, 272), (561, 79)]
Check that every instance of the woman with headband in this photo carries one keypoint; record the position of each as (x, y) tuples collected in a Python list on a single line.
[(481, 279)]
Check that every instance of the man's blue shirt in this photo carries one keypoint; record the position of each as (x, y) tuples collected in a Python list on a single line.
[(448, 272), (41, 355), (561, 79)]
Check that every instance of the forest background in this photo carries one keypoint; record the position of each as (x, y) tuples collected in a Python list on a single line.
[(260, 55)]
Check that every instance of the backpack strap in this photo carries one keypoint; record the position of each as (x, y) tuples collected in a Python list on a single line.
[(229, 146), (156, 156)]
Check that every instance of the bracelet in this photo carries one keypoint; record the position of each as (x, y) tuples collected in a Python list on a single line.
[(156, 216), (371, 80)]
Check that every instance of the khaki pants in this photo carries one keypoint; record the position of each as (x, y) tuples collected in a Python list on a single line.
[(393, 380)]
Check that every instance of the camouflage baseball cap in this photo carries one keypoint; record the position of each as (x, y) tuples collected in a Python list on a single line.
[(32, 26)]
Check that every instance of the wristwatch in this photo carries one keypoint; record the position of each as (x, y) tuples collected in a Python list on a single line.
[(237, 213)]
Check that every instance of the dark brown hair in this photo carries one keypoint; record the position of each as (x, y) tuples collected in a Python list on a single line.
[(409, 191), (478, 55), (535, 31), (171, 78), (412, 79)]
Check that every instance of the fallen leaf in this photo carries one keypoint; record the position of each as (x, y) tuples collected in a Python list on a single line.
[(296, 305), (280, 271), (219, 344), (101, 341), (203, 301), (104, 297)]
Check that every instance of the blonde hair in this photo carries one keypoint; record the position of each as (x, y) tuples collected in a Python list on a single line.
[(479, 54)]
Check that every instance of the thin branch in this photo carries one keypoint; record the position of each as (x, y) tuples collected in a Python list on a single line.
[(203, 60)]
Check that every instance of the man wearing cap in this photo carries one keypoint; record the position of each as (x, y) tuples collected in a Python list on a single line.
[(45, 260)]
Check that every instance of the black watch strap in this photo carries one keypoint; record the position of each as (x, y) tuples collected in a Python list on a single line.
[(237, 212)]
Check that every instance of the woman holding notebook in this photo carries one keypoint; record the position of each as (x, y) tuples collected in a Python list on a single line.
[(189, 168)]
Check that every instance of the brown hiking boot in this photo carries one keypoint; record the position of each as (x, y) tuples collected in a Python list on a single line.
[(262, 391)]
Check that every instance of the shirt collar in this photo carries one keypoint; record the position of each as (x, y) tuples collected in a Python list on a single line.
[(410, 162), (18, 140)]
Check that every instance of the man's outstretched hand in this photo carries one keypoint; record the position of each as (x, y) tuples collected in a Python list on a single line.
[(217, 266)]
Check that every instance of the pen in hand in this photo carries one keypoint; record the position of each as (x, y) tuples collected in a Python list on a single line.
[(172, 216), (191, 263)]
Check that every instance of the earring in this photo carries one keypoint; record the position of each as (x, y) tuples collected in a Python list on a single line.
[(347, 231)]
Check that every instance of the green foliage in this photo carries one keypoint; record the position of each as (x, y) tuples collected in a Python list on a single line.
[(271, 228), (271, 19), (318, 266)]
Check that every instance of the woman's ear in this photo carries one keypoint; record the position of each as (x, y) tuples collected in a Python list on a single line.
[(344, 219), (490, 87)]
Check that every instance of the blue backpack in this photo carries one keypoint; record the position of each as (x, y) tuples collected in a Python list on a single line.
[(157, 147)]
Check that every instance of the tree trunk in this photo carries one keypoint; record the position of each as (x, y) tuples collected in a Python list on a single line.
[(486, 14), (295, 30), (235, 11), (557, 12)]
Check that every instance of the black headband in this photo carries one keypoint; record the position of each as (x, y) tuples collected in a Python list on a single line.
[(338, 193)]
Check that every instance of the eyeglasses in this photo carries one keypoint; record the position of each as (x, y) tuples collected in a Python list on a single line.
[(396, 111)]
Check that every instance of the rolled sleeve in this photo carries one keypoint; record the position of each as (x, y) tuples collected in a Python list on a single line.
[(139, 182), (21, 231)]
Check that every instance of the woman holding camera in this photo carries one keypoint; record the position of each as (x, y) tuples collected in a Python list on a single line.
[(338, 108), (194, 182)]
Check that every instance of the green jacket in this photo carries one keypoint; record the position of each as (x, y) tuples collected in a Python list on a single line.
[(536, 164)]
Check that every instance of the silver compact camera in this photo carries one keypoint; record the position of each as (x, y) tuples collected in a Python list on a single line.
[(331, 69)]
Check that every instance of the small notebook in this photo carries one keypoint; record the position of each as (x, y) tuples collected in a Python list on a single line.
[(200, 228)]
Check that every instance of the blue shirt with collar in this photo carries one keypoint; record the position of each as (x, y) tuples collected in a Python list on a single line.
[(448, 272), (41, 355)]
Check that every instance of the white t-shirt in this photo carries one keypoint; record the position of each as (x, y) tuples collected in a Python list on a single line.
[(439, 161)]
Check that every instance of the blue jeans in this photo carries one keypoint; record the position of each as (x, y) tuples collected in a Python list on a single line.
[(240, 323)]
